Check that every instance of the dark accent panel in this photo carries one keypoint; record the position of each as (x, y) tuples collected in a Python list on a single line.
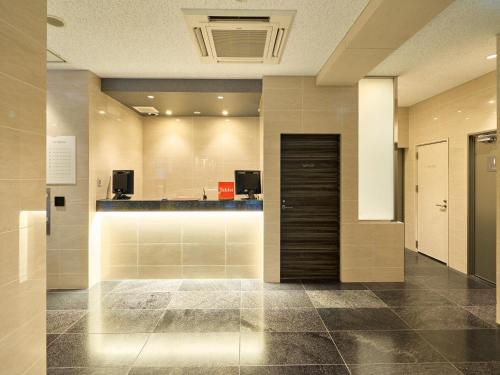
[(310, 207), (181, 85), (131, 205)]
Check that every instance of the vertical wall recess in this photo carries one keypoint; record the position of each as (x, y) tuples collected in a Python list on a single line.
[(376, 149)]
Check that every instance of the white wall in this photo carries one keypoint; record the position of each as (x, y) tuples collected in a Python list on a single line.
[(376, 149)]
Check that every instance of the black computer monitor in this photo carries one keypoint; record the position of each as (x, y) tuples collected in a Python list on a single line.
[(247, 182), (123, 183)]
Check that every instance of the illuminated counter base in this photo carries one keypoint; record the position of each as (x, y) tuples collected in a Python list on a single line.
[(180, 244)]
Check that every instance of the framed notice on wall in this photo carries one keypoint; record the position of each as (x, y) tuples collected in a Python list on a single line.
[(61, 160)]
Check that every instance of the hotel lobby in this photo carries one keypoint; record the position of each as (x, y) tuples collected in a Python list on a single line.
[(254, 187)]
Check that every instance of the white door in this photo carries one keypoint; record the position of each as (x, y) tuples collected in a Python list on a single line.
[(432, 198)]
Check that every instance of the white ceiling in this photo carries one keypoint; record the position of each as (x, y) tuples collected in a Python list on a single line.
[(149, 38), (450, 50)]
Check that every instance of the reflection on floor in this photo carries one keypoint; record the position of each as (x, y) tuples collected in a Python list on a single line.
[(437, 322)]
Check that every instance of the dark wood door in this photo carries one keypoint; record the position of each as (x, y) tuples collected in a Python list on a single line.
[(310, 207)]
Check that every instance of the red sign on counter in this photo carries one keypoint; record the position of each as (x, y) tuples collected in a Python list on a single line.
[(226, 191)]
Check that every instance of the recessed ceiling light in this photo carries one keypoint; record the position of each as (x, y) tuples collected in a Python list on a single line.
[(168, 112), (197, 112), (436, 118), (102, 112), (467, 118), (150, 96), (55, 21), (220, 97), (459, 111), (492, 56), (225, 113), (491, 101)]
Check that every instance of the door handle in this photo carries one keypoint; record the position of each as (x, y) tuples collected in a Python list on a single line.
[(444, 205), (283, 207)]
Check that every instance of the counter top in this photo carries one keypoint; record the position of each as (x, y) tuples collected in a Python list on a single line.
[(177, 205)]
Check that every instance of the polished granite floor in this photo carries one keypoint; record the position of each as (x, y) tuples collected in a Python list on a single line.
[(436, 322)]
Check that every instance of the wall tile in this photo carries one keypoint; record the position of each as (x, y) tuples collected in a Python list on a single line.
[(476, 115), (156, 254), (325, 111)]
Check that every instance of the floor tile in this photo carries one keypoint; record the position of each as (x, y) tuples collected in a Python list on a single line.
[(361, 319), (405, 369), (59, 321), (95, 350), (361, 347), (190, 350), (454, 280), (479, 368), (277, 348), (147, 286), (276, 299), (104, 287), (295, 370), (209, 320), (411, 298), (471, 345), (184, 371), (149, 301), (51, 338), (67, 300), (432, 270), (486, 313), (344, 299), (470, 297), (439, 317), (205, 300), (253, 284), (117, 321), (394, 286), (334, 286), (88, 371), (285, 320), (210, 285)]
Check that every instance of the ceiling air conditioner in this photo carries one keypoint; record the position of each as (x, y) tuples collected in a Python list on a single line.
[(236, 36)]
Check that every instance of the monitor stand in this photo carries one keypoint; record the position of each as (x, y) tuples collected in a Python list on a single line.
[(120, 196), (251, 196)]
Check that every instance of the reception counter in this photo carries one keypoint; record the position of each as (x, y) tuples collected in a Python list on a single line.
[(179, 239), (177, 205)]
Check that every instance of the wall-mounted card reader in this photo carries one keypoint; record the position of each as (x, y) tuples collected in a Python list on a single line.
[(59, 201)]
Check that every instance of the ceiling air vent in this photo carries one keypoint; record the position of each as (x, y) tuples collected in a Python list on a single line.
[(149, 111), (234, 36)]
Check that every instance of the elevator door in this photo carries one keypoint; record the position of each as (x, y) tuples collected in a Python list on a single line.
[(485, 209), (310, 207)]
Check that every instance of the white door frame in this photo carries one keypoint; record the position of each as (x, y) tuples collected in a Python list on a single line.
[(417, 195)]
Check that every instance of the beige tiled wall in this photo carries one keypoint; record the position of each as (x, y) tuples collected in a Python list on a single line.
[(109, 136), (451, 115), (181, 245), (67, 244), (183, 155), (115, 134), (22, 186), (498, 187), (369, 251)]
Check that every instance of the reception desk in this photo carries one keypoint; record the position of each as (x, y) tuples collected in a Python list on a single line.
[(179, 239)]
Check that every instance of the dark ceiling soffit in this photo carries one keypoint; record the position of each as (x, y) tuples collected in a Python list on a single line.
[(181, 85)]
